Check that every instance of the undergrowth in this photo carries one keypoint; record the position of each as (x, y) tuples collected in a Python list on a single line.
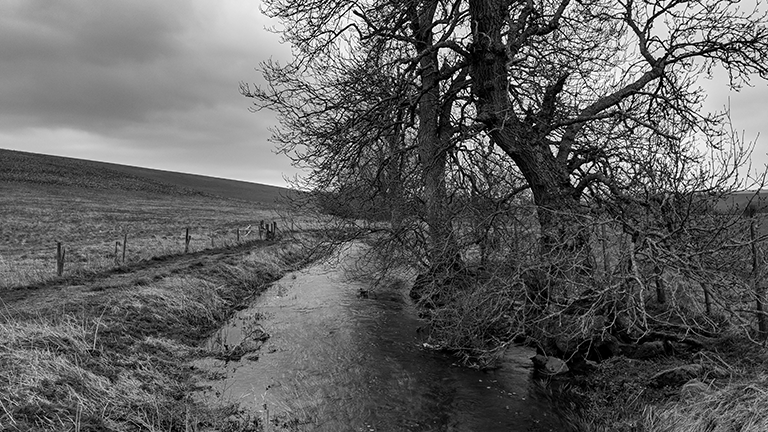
[(476, 324), (479, 317)]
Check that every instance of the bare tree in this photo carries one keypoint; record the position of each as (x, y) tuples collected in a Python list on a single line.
[(592, 106), (581, 95), (405, 91)]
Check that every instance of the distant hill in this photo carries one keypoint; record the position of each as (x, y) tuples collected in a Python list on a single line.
[(738, 201), (32, 168)]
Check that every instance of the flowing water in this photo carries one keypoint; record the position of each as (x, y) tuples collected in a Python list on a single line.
[(339, 361)]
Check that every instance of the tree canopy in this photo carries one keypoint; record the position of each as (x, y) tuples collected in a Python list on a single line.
[(580, 95)]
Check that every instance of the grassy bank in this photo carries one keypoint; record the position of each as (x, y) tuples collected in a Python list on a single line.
[(720, 387), (740, 406), (112, 353)]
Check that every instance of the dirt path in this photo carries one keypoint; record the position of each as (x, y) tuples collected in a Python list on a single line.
[(140, 273)]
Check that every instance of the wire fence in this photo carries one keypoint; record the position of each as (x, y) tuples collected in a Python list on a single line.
[(22, 265)]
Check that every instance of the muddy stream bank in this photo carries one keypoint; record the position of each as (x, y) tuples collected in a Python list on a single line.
[(338, 361)]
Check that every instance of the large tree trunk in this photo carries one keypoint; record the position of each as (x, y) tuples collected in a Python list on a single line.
[(563, 243), (432, 159), (433, 145), (433, 142), (394, 180), (757, 286)]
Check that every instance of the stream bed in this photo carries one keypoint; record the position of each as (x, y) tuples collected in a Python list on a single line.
[(323, 357)]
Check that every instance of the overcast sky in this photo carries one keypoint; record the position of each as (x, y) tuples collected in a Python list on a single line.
[(139, 82), (155, 84)]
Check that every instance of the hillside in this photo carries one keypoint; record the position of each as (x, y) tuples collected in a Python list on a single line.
[(32, 168), (738, 201)]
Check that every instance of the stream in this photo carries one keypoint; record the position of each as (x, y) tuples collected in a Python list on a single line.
[(336, 360)]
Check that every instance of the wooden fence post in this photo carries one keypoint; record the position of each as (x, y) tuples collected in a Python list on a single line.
[(187, 238), (757, 274), (60, 253), (125, 242), (238, 235), (261, 229), (117, 261)]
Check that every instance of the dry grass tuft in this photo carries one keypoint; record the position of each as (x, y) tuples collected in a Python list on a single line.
[(53, 379), (177, 300), (740, 406)]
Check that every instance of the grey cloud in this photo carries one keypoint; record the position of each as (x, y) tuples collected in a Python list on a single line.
[(94, 63), (103, 32), (74, 94)]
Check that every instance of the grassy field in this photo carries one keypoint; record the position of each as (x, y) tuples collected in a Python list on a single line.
[(89, 223), (90, 206), (108, 345)]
